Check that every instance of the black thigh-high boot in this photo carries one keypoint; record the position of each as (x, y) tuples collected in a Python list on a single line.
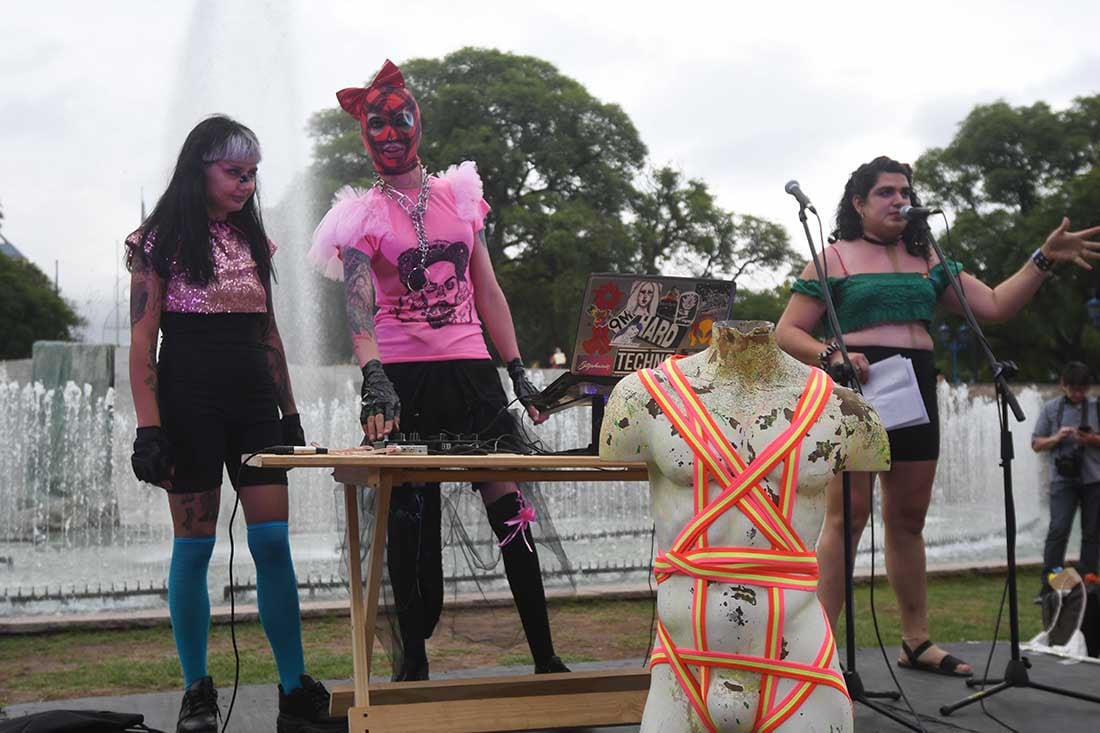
[(525, 579), (414, 563)]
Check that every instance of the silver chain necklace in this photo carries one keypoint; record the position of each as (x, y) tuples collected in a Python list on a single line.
[(418, 276)]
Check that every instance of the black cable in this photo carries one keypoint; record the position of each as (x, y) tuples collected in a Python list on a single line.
[(233, 591), (989, 659), (649, 583), (874, 613), (824, 257), (939, 721), (854, 384), (233, 594)]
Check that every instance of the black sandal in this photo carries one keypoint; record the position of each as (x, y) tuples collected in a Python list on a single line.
[(948, 666)]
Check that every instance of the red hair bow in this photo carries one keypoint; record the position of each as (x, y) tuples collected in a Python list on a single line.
[(353, 98)]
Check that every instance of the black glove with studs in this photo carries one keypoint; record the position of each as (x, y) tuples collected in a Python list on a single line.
[(521, 385), (378, 395)]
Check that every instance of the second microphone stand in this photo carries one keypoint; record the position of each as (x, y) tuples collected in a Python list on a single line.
[(1016, 670), (848, 376)]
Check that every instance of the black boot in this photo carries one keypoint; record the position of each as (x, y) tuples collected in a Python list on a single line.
[(414, 560), (199, 712), (552, 665), (305, 710), (414, 667), (525, 579)]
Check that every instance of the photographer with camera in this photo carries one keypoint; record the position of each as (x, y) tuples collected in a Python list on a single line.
[(1069, 427)]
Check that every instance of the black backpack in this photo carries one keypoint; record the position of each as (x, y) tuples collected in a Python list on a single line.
[(1091, 625), (77, 721)]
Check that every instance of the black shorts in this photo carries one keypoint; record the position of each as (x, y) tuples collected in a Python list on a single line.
[(217, 398), (920, 442), (448, 397)]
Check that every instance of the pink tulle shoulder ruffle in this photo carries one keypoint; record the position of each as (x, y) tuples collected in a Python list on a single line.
[(466, 186), (355, 213)]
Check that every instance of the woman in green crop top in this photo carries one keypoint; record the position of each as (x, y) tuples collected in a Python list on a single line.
[(886, 283)]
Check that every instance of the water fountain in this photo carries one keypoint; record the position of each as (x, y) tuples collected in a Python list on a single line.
[(79, 533)]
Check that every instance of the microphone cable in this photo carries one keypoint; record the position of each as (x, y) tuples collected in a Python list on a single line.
[(232, 586), (871, 521), (233, 595)]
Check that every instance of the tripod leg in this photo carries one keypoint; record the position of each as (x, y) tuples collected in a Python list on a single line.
[(1067, 693), (971, 699), (1016, 671)]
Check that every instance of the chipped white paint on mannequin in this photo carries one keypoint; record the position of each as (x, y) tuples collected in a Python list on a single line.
[(751, 387)]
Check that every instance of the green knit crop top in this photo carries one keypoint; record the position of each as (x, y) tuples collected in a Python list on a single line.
[(866, 299)]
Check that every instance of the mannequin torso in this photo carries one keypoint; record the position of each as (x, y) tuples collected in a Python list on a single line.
[(751, 388)]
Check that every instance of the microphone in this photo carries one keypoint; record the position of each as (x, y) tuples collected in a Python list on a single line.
[(916, 213), (803, 200), (295, 450)]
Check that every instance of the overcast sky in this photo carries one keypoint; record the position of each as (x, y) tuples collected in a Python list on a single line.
[(95, 98)]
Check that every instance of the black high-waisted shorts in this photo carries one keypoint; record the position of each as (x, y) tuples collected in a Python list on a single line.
[(217, 398), (459, 396), (920, 442)]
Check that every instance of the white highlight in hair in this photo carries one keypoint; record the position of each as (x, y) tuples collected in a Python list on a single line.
[(240, 146)]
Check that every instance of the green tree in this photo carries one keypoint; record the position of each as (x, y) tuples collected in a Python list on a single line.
[(677, 222), (761, 305), (1011, 173), (30, 310)]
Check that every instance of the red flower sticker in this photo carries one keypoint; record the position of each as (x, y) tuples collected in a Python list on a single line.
[(607, 296)]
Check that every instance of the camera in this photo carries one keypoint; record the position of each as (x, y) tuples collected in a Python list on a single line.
[(1068, 465)]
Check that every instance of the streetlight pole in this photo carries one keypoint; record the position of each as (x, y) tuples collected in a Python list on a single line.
[(1092, 307), (959, 339)]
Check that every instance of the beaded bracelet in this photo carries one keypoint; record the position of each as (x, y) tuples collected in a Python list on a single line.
[(823, 357), (1044, 263)]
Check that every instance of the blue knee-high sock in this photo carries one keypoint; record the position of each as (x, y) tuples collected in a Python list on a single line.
[(277, 597), (189, 603)]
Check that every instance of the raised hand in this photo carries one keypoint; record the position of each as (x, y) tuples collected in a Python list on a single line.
[(1063, 245)]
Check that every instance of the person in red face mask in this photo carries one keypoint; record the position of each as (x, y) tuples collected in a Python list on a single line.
[(418, 285), (390, 119)]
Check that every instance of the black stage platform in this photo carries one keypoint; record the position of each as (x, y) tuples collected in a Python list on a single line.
[(1022, 709)]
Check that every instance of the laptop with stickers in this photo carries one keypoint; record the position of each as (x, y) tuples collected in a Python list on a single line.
[(632, 322)]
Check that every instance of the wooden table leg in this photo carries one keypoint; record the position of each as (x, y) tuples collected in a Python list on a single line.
[(364, 611)]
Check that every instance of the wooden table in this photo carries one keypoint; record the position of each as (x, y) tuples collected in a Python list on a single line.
[(519, 702)]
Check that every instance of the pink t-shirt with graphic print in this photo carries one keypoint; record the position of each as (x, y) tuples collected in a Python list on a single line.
[(438, 322)]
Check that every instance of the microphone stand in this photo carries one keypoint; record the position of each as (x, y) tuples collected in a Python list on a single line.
[(847, 375), (1015, 674)]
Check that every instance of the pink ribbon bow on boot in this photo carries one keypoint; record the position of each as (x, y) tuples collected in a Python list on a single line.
[(519, 523)]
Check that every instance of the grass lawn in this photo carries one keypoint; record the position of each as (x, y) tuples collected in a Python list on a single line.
[(74, 664)]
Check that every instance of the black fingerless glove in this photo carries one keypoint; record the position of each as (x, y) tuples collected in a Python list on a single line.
[(152, 457), (378, 395), (292, 430), (521, 385)]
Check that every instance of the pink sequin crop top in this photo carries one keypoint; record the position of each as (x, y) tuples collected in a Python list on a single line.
[(236, 286)]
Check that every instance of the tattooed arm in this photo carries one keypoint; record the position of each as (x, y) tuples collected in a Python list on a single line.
[(146, 298), (380, 406), (276, 363), (359, 302)]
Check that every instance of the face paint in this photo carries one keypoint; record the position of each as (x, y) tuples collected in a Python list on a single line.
[(391, 130)]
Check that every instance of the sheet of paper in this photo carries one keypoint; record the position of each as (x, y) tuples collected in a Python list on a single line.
[(892, 389)]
